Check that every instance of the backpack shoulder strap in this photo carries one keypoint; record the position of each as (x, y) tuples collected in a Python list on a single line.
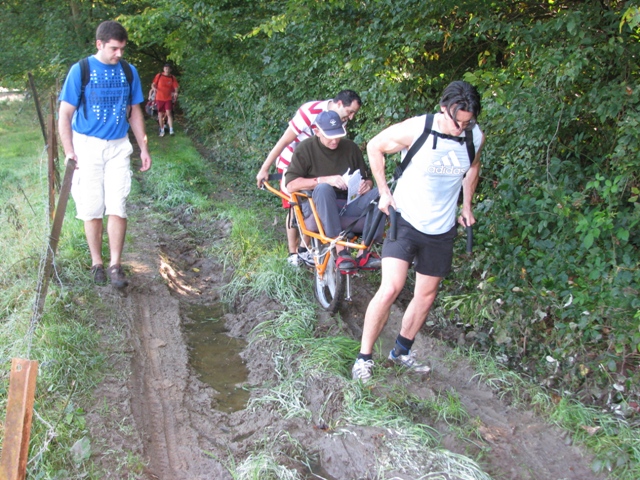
[(471, 148), (417, 145), (129, 74), (127, 71), (84, 78), (84, 71)]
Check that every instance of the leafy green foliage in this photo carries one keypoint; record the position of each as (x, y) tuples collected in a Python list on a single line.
[(563, 164), (47, 41)]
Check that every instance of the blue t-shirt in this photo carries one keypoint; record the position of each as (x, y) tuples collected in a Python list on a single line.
[(103, 112)]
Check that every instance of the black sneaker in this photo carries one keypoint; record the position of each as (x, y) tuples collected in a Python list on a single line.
[(369, 261), (118, 278), (346, 264), (99, 277)]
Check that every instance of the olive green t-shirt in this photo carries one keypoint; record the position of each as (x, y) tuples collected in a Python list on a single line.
[(311, 159)]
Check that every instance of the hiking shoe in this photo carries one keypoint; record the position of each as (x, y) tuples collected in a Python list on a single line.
[(410, 362), (346, 264), (161, 134), (117, 276), (362, 370), (99, 277), (369, 261), (307, 258), (293, 259)]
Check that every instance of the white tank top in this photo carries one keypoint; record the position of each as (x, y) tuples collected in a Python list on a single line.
[(427, 192)]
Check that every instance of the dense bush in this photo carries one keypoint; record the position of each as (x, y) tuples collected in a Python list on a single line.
[(561, 186)]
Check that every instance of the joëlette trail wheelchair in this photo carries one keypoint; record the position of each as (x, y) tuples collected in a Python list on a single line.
[(330, 286)]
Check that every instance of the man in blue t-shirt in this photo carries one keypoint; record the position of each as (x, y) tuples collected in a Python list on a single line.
[(93, 131)]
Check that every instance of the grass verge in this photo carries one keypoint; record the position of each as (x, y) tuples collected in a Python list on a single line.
[(65, 339)]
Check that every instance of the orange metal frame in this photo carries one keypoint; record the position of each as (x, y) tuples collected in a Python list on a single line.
[(296, 199)]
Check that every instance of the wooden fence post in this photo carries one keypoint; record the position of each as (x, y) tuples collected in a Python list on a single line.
[(38, 109), (52, 247), (17, 425), (52, 150)]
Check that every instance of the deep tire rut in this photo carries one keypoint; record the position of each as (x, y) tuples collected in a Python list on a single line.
[(149, 382)]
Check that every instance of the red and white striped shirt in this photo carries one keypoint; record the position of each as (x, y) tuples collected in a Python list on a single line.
[(301, 124)]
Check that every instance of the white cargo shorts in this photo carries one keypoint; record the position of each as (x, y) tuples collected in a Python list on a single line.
[(102, 180)]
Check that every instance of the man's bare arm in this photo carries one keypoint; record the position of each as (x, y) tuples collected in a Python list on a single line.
[(65, 115), (390, 140), (136, 120), (287, 137)]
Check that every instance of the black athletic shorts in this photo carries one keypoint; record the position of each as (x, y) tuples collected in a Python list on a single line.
[(433, 254)]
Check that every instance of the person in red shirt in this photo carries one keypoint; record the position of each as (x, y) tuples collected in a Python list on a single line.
[(165, 88)]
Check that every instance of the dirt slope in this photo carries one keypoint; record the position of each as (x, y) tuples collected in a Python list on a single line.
[(158, 409)]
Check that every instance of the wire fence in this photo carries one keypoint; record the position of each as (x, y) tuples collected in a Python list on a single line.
[(22, 394)]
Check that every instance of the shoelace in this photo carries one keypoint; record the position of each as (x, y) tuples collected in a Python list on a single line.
[(365, 365)]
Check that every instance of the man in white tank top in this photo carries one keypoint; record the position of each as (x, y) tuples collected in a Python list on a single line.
[(426, 200)]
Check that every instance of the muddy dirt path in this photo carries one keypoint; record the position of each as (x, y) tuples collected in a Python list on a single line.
[(515, 444), (158, 409)]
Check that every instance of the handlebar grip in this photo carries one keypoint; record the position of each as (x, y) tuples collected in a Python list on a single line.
[(393, 224), (469, 235), (370, 230)]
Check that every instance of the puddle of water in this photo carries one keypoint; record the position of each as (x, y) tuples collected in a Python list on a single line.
[(216, 356)]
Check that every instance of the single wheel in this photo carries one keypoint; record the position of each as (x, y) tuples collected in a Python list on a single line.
[(329, 289)]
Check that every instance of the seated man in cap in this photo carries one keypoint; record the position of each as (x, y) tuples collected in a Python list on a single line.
[(318, 164)]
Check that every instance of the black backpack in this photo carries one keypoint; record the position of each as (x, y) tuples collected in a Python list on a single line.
[(85, 76), (468, 139)]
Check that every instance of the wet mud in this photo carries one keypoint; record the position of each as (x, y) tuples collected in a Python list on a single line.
[(166, 406)]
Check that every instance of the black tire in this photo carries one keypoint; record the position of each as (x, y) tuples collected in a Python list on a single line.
[(329, 289)]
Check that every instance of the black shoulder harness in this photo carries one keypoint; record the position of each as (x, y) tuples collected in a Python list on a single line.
[(417, 145)]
